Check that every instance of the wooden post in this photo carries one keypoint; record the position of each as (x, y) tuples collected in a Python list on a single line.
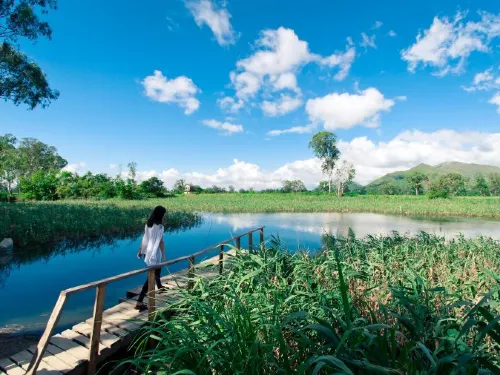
[(238, 242), (221, 259), (261, 230), (250, 242), (191, 273), (151, 294), (44, 340), (96, 328)]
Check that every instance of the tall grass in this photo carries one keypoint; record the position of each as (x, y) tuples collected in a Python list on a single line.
[(378, 305), (48, 224), (488, 207)]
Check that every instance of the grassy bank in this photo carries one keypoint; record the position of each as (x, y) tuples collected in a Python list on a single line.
[(407, 205), (70, 223), (385, 305)]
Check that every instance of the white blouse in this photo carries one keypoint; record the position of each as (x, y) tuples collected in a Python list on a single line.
[(150, 245)]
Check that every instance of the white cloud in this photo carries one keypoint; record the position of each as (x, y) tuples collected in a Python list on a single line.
[(75, 167), (206, 12), (368, 41), (377, 25), (225, 126), (341, 60), (171, 24), (229, 104), (484, 81), (113, 166), (272, 69), (447, 44), (344, 111), (496, 101), (285, 104), (371, 160), (293, 130), (374, 159), (180, 90), (392, 33)]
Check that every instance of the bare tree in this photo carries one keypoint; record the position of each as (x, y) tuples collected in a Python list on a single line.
[(344, 173)]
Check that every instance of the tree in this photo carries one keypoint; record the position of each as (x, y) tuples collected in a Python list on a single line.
[(322, 186), (324, 145), (153, 187), (416, 180), (454, 183), (21, 79), (494, 183), (8, 161), (132, 170), (293, 186), (231, 189), (179, 186), (37, 156), (40, 185), (481, 186), (344, 174)]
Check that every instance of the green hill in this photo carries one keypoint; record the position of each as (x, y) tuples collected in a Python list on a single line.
[(398, 179)]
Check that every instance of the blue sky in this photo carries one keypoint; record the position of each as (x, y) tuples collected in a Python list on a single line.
[(421, 85)]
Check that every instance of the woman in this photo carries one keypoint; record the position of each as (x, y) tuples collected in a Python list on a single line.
[(153, 248)]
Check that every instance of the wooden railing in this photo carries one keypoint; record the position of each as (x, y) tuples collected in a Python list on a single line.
[(100, 287)]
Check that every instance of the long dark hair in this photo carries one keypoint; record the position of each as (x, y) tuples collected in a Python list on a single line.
[(156, 216)]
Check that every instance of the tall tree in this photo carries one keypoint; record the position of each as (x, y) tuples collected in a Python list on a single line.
[(132, 170), (417, 180), (494, 183), (37, 156), (324, 145), (453, 183), (481, 186), (179, 186), (21, 80), (293, 186), (344, 174)]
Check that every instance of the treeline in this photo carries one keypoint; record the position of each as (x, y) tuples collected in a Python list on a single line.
[(444, 186)]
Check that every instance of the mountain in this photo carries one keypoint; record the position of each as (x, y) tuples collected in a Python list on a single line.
[(465, 169)]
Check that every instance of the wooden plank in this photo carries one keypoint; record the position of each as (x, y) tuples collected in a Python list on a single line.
[(11, 368), (54, 351), (95, 335), (53, 361), (115, 330), (106, 339), (22, 359), (71, 347), (44, 340)]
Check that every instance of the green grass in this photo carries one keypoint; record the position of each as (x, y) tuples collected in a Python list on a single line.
[(77, 223), (488, 207), (378, 305)]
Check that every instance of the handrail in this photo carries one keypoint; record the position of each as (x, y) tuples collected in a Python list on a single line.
[(126, 275), (100, 286)]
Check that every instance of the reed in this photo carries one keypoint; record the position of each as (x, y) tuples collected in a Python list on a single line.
[(378, 305)]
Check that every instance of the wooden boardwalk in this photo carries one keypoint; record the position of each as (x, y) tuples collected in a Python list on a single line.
[(82, 348)]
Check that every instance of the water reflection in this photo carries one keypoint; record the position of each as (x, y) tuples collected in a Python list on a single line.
[(67, 247), (362, 224)]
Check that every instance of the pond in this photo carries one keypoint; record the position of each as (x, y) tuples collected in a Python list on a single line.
[(29, 288)]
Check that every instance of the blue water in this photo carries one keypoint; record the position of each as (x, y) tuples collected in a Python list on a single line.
[(29, 290)]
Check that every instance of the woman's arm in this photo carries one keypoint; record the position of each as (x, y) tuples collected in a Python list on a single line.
[(143, 244), (162, 248)]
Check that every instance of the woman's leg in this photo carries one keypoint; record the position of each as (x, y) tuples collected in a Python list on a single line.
[(157, 278), (143, 292)]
